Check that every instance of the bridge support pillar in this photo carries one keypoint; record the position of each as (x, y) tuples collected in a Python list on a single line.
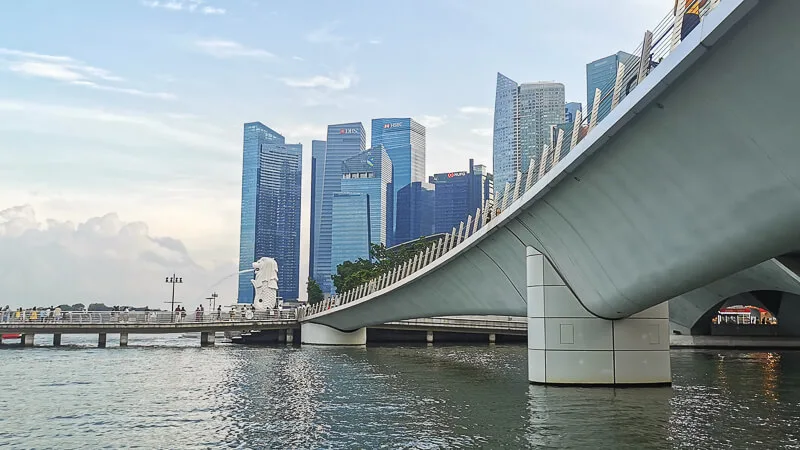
[(57, 340), (429, 337), (290, 336), (568, 345), (492, 338), (207, 338), (317, 334), (101, 340), (123, 339), (27, 340)]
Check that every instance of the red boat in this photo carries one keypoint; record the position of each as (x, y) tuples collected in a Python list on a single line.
[(11, 336)]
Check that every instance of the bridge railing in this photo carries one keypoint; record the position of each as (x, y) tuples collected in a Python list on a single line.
[(632, 69), (142, 317)]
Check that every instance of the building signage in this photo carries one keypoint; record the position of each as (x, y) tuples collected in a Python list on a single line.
[(444, 176), (456, 174), (348, 130), (393, 125)]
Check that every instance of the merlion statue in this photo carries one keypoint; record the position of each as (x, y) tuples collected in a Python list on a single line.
[(265, 282)]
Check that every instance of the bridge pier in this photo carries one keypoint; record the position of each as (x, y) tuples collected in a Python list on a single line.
[(492, 338), (207, 338), (429, 337), (123, 339), (27, 340), (317, 334), (101, 340), (57, 340), (568, 345), (290, 336)]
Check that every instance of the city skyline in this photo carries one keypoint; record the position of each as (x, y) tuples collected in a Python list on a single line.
[(149, 146)]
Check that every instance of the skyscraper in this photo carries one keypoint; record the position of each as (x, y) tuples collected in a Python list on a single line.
[(459, 195), (344, 141), (270, 219), (404, 141), (317, 172), (602, 74), (370, 174), (415, 209), (570, 110), (523, 117)]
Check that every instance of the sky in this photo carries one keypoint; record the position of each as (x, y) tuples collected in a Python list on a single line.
[(121, 120)]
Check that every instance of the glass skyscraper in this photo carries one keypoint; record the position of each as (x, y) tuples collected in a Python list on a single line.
[(459, 195), (415, 209), (602, 74), (404, 141), (368, 173), (344, 141), (317, 172), (524, 115), (570, 110), (270, 218)]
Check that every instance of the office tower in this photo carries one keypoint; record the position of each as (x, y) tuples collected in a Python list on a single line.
[(270, 219), (602, 74), (570, 110), (404, 141), (459, 195), (523, 117), (344, 141), (414, 209), (317, 172), (370, 174)]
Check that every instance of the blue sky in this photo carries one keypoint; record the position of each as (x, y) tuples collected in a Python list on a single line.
[(135, 108)]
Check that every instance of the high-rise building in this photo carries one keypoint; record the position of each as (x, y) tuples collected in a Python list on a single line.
[(270, 218), (317, 172), (368, 173), (570, 110), (459, 195), (344, 141), (415, 209), (404, 141), (524, 115), (602, 74)]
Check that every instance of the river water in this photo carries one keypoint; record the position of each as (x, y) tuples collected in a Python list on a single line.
[(167, 393)]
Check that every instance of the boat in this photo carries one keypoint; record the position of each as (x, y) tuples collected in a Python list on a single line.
[(11, 336)]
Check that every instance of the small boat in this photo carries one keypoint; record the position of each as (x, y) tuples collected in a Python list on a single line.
[(11, 336)]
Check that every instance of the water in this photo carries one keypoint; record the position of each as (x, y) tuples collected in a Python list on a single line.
[(165, 392)]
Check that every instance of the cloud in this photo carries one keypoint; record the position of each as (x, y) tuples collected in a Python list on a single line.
[(484, 132), (375, 41), (326, 36), (476, 110), (190, 6), (100, 259), (432, 121), (221, 48), (297, 58), (342, 81), (69, 70)]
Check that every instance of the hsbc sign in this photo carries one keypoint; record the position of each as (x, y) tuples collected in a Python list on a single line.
[(392, 125), (348, 130)]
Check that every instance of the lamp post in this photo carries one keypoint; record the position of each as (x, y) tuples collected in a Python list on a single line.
[(212, 300), (174, 280)]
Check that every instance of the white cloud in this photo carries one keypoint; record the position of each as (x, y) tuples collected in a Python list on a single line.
[(484, 132), (432, 121), (100, 259), (190, 6), (297, 58), (71, 71), (339, 82), (476, 110), (375, 41), (221, 48), (327, 36)]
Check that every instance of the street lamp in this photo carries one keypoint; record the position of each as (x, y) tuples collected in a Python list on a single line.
[(173, 279), (212, 300)]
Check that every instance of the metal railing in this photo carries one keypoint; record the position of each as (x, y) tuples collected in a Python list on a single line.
[(142, 317), (655, 46)]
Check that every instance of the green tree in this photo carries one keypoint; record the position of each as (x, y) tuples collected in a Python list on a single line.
[(350, 274), (314, 292)]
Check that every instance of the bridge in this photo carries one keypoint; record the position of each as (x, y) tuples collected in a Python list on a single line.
[(691, 178)]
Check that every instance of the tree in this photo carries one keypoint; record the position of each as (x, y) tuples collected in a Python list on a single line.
[(351, 274), (314, 292)]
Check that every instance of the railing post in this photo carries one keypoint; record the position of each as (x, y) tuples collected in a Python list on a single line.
[(516, 187), (459, 237), (576, 129), (542, 164), (677, 25), (475, 222), (453, 242), (618, 85), (644, 61), (529, 178), (506, 193), (559, 143), (468, 227), (439, 249), (427, 259), (595, 109)]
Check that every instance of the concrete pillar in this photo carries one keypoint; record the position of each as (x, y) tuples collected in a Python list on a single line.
[(27, 340), (101, 340), (57, 340), (317, 334), (123, 339), (281, 336), (492, 338), (429, 337), (568, 345), (207, 338), (290, 336)]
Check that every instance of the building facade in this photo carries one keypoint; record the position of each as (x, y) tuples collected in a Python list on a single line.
[(404, 141), (571, 110), (415, 210), (343, 141), (350, 234), (317, 172), (458, 195), (524, 115), (270, 216), (602, 74)]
